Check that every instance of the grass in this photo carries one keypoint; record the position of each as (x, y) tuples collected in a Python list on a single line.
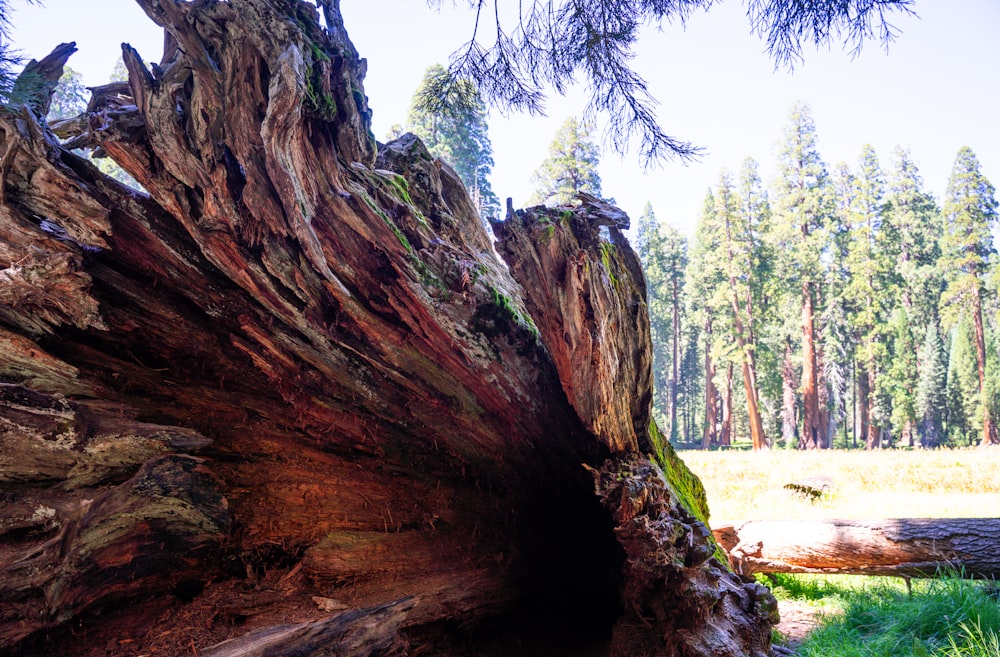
[(870, 616), (877, 617), (744, 485)]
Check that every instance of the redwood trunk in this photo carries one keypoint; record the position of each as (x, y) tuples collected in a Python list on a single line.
[(989, 430), (747, 366), (812, 425), (914, 547), (290, 395), (757, 437)]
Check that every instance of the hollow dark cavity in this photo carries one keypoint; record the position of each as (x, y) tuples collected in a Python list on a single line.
[(568, 569)]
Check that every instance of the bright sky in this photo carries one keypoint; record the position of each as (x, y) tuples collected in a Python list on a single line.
[(937, 89)]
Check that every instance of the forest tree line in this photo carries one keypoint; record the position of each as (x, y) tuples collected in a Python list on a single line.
[(842, 307)]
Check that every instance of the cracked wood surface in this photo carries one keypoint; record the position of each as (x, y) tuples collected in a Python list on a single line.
[(295, 368)]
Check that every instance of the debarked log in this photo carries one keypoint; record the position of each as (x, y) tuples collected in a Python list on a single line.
[(907, 547)]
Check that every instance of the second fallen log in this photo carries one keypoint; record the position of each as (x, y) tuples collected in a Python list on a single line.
[(907, 547)]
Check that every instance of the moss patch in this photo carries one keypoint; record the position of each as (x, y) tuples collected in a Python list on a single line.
[(390, 223), (499, 316), (401, 187), (687, 485), (607, 250)]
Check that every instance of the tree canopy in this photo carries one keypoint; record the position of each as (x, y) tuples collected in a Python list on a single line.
[(571, 166), (515, 53), (448, 114), (70, 96), (859, 309)]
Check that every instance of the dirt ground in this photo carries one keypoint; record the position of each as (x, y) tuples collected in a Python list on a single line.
[(798, 619)]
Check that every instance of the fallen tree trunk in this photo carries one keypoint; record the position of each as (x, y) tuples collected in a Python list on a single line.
[(908, 547), (294, 377)]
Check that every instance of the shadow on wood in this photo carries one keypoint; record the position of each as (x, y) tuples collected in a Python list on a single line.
[(908, 547)]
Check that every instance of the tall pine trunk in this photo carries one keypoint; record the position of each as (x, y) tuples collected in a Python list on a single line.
[(726, 432), (710, 436), (675, 365), (812, 426), (872, 431), (788, 422), (989, 430), (747, 366), (757, 437)]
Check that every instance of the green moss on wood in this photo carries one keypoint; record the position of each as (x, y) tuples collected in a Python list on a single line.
[(687, 485), (390, 223), (607, 249), (500, 316)]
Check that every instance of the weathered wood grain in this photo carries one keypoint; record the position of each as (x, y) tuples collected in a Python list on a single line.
[(295, 367), (908, 547)]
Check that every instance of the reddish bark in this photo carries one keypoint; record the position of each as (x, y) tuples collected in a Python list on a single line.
[(812, 425), (989, 429), (746, 349), (381, 408)]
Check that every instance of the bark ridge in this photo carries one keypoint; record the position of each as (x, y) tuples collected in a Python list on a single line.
[(295, 368)]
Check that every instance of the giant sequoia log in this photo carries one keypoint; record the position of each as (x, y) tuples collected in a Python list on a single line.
[(909, 547), (291, 397)]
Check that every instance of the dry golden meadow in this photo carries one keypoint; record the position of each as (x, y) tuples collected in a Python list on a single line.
[(743, 485)]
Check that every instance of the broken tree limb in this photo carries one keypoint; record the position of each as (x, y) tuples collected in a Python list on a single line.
[(907, 547)]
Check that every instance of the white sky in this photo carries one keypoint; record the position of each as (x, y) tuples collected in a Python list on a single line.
[(937, 89)]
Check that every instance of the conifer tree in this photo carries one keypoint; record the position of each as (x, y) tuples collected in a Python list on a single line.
[(838, 336), (970, 213), (663, 254), (931, 397), (691, 381), (119, 73), (739, 214), (448, 114), (963, 386), (70, 96), (911, 232), (802, 208), (909, 241), (901, 379), (705, 280), (571, 166), (866, 292)]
